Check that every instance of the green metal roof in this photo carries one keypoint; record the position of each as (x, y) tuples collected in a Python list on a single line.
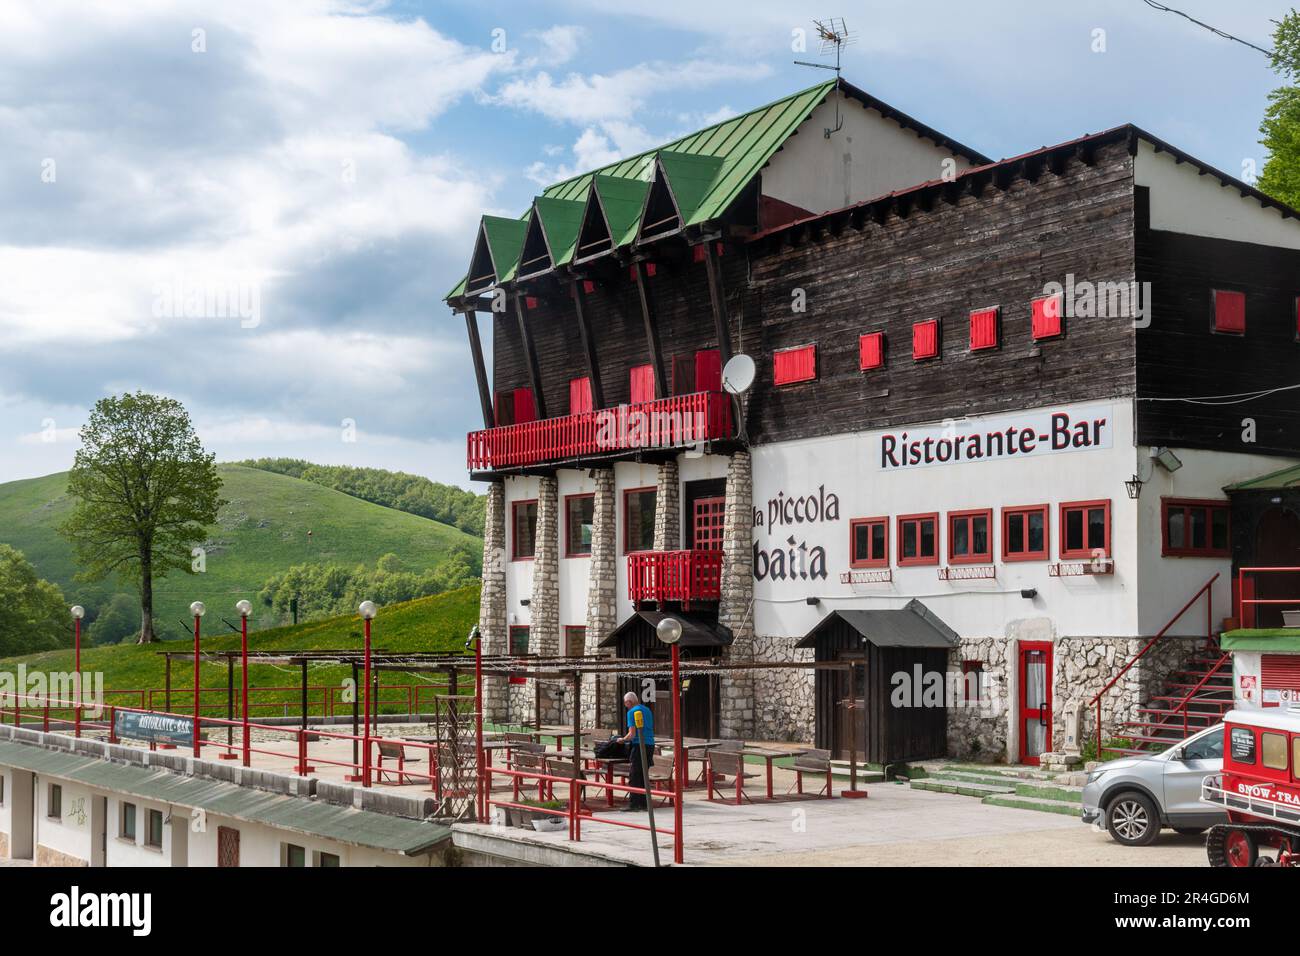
[(300, 814), (505, 240), (706, 172), (560, 220), (1270, 640), (1274, 481)]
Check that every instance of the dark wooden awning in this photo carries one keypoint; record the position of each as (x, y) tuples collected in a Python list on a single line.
[(695, 631), (914, 625)]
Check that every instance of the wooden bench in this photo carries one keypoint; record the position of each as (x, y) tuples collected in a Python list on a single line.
[(724, 762), (813, 762), (393, 751)]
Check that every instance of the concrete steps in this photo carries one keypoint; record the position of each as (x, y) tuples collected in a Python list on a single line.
[(1021, 788), (1034, 803), (964, 788)]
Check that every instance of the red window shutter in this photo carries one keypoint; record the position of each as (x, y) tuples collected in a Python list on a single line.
[(1229, 311), (925, 339), (984, 329), (698, 253), (708, 370), (579, 395), (1280, 672), (525, 409), (871, 350), (1045, 314), (643, 384), (794, 365)]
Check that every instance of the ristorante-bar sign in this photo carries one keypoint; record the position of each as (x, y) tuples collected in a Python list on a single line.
[(1050, 431)]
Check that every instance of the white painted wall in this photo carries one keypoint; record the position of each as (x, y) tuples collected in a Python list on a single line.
[(7, 803), (262, 846), (519, 574), (848, 466), (627, 475), (124, 852), (71, 832), (573, 571), (869, 157), (1182, 200), (1169, 582)]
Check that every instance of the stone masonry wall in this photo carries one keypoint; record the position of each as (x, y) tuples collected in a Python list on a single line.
[(668, 508), (784, 703), (544, 603), (602, 603), (980, 732), (492, 601), (735, 610)]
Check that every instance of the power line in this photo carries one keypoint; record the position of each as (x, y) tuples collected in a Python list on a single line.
[(1201, 23), (1235, 398)]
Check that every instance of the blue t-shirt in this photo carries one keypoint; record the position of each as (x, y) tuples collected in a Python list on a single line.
[(648, 730)]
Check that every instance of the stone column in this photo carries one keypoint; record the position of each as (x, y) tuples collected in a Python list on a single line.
[(668, 508), (736, 610), (602, 594), (544, 606), (492, 625)]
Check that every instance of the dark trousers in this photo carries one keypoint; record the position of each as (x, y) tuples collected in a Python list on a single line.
[(635, 778)]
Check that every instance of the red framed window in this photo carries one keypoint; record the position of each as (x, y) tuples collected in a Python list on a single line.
[(918, 539), (970, 536), (580, 395), (972, 681), (1025, 533), (579, 513), (869, 543), (638, 520), (871, 350), (575, 640), (1229, 311), (642, 380), (523, 522), (709, 523), (1195, 528), (790, 366), (518, 646), (1045, 315), (984, 329), (1085, 529), (925, 339)]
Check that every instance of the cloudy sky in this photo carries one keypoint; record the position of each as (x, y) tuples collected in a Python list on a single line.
[(256, 207)]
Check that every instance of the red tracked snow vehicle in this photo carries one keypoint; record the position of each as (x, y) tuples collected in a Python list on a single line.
[(1260, 789)]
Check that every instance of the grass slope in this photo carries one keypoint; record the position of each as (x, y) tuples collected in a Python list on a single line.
[(262, 531), (438, 623)]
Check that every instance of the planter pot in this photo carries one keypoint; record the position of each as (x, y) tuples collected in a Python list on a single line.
[(1291, 618), (543, 823)]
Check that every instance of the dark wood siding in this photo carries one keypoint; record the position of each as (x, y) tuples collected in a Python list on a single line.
[(1179, 356)]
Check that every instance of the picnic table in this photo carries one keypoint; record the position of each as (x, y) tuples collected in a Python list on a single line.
[(768, 755)]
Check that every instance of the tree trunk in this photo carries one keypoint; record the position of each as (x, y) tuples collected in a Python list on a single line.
[(146, 597)]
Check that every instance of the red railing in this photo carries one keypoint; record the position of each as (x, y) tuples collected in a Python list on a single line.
[(323, 699), (1209, 632), (664, 423), (1245, 596), (674, 576)]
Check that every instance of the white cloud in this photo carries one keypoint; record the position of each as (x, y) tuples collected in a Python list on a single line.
[(559, 44)]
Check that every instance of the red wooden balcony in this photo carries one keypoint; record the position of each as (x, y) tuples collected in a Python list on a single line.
[(665, 423), (685, 576)]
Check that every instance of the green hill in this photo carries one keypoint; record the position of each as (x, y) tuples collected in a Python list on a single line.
[(438, 623), (263, 530)]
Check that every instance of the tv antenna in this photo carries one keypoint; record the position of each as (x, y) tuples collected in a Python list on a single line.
[(835, 36)]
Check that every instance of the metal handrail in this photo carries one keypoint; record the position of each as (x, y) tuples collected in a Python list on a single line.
[(1209, 621)]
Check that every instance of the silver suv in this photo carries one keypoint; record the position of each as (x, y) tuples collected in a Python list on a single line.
[(1134, 797)]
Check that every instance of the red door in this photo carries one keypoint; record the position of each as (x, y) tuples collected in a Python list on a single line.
[(643, 384), (709, 517), (1035, 700)]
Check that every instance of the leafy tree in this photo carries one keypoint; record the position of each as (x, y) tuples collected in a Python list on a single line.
[(1280, 128), (118, 620), (33, 615), (145, 492)]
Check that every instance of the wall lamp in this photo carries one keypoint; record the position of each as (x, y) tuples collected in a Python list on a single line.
[(1029, 593)]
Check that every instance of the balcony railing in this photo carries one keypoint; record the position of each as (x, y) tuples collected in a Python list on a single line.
[(684, 576), (665, 423)]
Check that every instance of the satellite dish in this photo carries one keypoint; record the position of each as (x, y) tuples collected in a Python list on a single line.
[(738, 375)]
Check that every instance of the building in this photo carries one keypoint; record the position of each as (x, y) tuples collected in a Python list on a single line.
[(82, 802), (986, 387)]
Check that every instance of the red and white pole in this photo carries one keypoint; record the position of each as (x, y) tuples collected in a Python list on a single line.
[(244, 608), (78, 612), (679, 761), (479, 772), (197, 609)]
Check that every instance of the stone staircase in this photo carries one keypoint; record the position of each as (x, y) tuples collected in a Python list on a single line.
[(1023, 788), (1194, 697)]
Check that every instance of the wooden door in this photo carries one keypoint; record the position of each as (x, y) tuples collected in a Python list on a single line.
[(1035, 700), (850, 701), (1277, 545), (227, 846)]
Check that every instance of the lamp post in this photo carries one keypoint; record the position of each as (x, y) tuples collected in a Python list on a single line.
[(78, 612), (367, 610), (197, 609), (244, 608), (669, 630)]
